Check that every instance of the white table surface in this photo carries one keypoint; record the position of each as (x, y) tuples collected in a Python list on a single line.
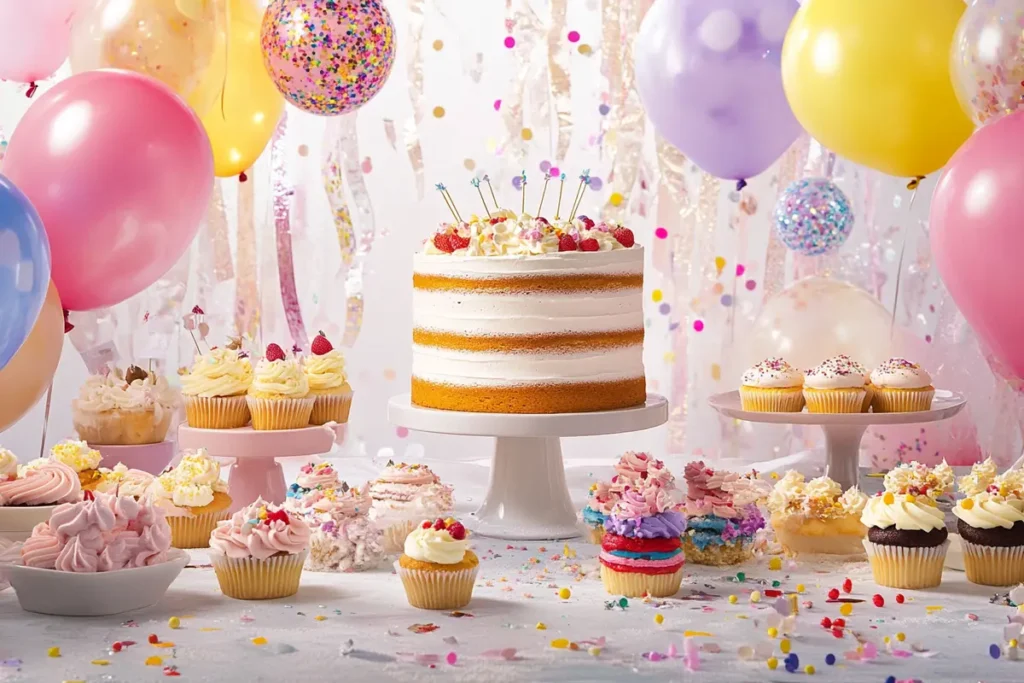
[(517, 589)]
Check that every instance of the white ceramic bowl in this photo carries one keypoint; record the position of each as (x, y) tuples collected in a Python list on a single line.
[(17, 521), (68, 594)]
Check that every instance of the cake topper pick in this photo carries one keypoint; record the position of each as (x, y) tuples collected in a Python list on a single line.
[(543, 191), (449, 202), (475, 182), (487, 179), (584, 183), (523, 186), (561, 186)]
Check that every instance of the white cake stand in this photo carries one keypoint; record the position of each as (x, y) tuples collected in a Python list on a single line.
[(843, 431), (527, 498)]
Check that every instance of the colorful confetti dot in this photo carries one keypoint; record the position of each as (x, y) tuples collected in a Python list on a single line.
[(994, 651), (719, 264), (740, 269), (830, 659), (468, 164), (717, 288), (660, 233), (497, 105), (750, 285), (554, 172), (604, 109), (656, 296), (775, 564), (451, 658), (510, 42), (698, 325), (574, 36), (772, 663), (564, 593), (438, 112), (53, 652), (659, 618), (401, 432), (367, 165), (596, 184), (526, 134), (438, 45), (664, 309), (584, 49), (616, 199), (154, 661), (716, 371), (560, 643), (733, 599), (846, 609), (545, 166), (174, 622), (541, 626), (259, 640), (727, 301)]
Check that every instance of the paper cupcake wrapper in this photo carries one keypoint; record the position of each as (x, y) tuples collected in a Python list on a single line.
[(869, 395), (121, 427), (908, 568), (902, 400), (772, 400), (988, 566), (331, 408), (194, 531), (635, 585), (834, 400), (437, 588), (252, 579), (395, 532), (216, 412), (270, 414)]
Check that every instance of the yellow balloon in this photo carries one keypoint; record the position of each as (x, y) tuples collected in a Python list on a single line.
[(151, 37), (248, 104), (870, 80)]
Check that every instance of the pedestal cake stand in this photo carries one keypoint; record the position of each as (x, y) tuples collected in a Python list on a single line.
[(149, 457), (254, 470), (527, 498), (843, 431)]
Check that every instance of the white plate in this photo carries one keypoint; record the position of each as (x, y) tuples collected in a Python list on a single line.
[(68, 594), (17, 521)]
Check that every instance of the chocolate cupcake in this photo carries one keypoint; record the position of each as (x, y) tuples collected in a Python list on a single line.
[(991, 525)]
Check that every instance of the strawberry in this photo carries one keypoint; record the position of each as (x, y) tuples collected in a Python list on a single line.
[(457, 531), (442, 242), (590, 244), (273, 352), (439, 524), (278, 516), (543, 220), (587, 222), (458, 242), (624, 236), (567, 243), (426, 524), (321, 345), (197, 311)]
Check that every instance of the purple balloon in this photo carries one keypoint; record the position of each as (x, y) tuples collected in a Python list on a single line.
[(709, 74)]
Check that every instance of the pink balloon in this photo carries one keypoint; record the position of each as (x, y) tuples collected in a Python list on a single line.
[(34, 38), (977, 239), (121, 171)]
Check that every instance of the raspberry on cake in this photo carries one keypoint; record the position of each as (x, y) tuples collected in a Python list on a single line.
[(516, 314)]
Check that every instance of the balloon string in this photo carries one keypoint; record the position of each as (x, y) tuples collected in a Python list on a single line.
[(912, 186), (46, 419), (227, 53)]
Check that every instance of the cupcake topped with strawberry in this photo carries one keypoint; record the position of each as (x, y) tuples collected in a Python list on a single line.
[(279, 396), (324, 368), (437, 567)]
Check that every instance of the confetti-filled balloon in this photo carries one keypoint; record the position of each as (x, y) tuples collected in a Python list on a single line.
[(987, 61), (813, 217), (328, 57)]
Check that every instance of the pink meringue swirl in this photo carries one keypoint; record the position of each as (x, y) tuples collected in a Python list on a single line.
[(40, 550), (414, 475), (260, 531), (48, 484), (604, 497), (642, 500), (314, 476), (706, 491), (634, 466)]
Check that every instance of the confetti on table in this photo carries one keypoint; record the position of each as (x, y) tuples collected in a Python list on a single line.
[(423, 628), (510, 42)]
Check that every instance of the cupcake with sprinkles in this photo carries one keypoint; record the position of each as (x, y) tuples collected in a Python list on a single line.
[(899, 386), (838, 385), (772, 386), (907, 538), (641, 552), (631, 468), (990, 520), (817, 516), (722, 517)]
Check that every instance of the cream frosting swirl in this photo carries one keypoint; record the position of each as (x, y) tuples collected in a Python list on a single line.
[(633, 466), (990, 510), (905, 512), (899, 373), (260, 531), (190, 484), (104, 393), (321, 474), (840, 372), (773, 373), (77, 455), (819, 498), (221, 372), (326, 371), (8, 464), (642, 500), (49, 483), (279, 378), (981, 477), (436, 546), (122, 481), (920, 480)]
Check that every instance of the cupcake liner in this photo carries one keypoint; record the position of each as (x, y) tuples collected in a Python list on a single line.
[(635, 584), (902, 400), (270, 414), (717, 555), (395, 532), (216, 412), (331, 408), (895, 566), (252, 579), (121, 427), (992, 566), (834, 400), (194, 531), (869, 395), (595, 534), (758, 400), (438, 588)]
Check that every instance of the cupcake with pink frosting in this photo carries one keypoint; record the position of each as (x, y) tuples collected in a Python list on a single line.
[(258, 554), (632, 467), (403, 496), (722, 517)]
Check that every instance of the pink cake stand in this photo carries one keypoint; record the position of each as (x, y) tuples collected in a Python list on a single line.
[(150, 457), (255, 471)]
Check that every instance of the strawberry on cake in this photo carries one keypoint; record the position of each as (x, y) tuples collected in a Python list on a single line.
[(325, 372)]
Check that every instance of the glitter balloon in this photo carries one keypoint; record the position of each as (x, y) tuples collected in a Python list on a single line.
[(813, 217), (328, 57), (987, 60)]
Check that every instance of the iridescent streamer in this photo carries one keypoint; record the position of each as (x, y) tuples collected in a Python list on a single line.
[(247, 290), (774, 279), (283, 193), (390, 134), (561, 84), (414, 66), (216, 237), (527, 27)]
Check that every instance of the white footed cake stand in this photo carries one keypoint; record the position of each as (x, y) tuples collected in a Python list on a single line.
[(527, 498), (843, 431)]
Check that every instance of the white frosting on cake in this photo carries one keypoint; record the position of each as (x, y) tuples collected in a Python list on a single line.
[(469, 368)]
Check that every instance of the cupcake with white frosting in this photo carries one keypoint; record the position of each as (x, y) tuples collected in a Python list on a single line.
[(907, 538), (838, 385), (328, 384), (194, 497), (899, 386), (214, 390), (772, 386), (129, 409), (279, 395), (990, 520), (817, 516)]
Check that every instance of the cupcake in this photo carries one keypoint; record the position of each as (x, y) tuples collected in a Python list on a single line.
[(215, 390), (641, 551), (99, 534), (279, 395), (325, 373), (907, 538), (722, 517), (632, 467), (194, 498), (343, 537), (990, 521), (838, 385), (600, 501), (82, 459), (8, 465), (899, 386), (122, 481), (135, 408), (258, 553), (772, 386), (404, 495), (47, 483), (437, 567), (817, 516)]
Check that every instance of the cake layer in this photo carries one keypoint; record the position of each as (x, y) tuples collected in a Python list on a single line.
[(600, 263), (582, 397), (558, 343), (471, 368)]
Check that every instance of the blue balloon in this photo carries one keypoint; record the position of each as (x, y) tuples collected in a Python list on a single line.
[(24, 268)]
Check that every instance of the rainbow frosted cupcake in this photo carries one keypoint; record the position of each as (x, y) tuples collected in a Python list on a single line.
[(899, 386), (631, 468), (194, 498), (214, 389), (437, 567), (772, 386), (325, 372), (990, 521), (641, 551), (838, 385), (817, 516), (722, 517), (279, 395)]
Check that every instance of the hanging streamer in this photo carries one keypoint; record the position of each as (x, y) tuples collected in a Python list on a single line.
[(215, 236), (774, 279), (413, 147), (561, 85), (521, 19), (283, 193), (247, 290)]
